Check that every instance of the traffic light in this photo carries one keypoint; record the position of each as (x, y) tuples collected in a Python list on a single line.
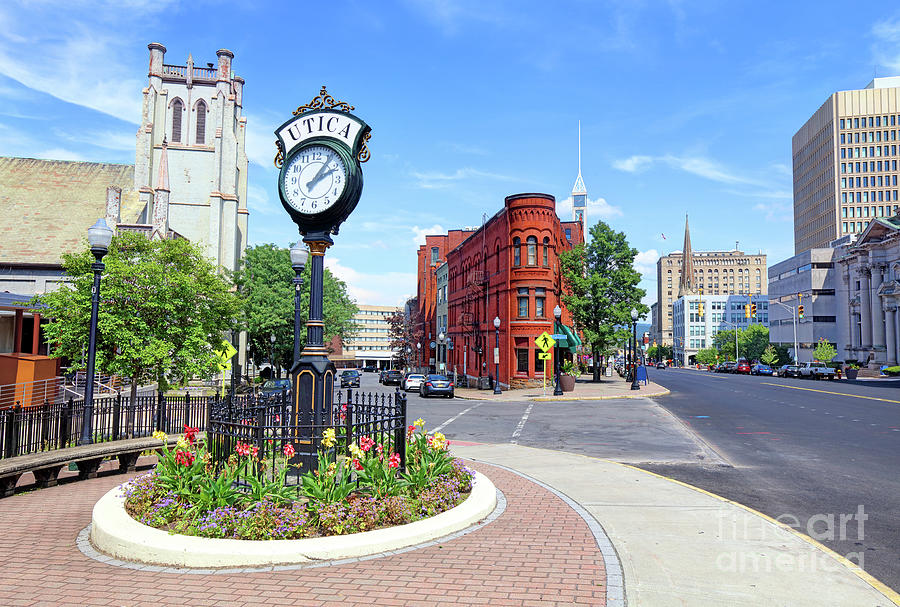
[(753, 310), (800, 310), (747, 311), (701, 309)]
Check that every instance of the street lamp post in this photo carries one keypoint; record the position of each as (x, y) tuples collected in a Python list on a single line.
[(557, 390), (418, 356), (299, 255), (794, 318), (497, 356), (440, 353), (634, 380), (272, 354), (99, 237)]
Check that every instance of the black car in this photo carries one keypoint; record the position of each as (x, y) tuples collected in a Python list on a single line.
[(392, 377), (370, 368), (436, 385), (350, 378), (660, 365), (275, 385), (789, 371)]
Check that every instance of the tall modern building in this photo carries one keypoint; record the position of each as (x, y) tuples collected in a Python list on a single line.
[(579, 192), (688, 272), (845, 164), (370, 343)]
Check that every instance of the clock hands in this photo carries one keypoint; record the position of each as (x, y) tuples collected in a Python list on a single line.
[(319, 176)]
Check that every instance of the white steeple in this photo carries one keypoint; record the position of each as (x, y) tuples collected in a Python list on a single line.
[(579, 192)]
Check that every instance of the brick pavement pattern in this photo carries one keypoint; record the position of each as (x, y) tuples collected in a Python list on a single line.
[(539, 552)]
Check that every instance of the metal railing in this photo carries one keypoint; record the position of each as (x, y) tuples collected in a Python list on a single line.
[(32, 392)]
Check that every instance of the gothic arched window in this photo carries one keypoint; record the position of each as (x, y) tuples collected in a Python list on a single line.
[(177, 111), (546, 252), (517, 251), (201, 123), (531, 242)]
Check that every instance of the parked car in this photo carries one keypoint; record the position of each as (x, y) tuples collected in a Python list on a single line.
[(788, 371), (370, 368), (743, 368), (275, 385), (815, 370), (412, 381), (761, 369), (350, 378), (436, 385), (660, 365), (392, 377), (727, 367)]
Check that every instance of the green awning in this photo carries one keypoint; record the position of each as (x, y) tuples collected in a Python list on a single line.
[(571, 342)]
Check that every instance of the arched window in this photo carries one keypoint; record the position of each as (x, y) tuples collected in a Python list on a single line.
[(517, 252), (201, 123), (531, 242), (497, 259), (177, 111), (546, 252)]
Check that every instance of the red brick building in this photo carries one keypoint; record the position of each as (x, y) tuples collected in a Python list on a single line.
[(509, 269)]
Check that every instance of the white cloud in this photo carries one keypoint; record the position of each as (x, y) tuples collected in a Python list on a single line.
[(777, 212), (633, 164), (60, 154), (421, 233), (885, 49), (376, 289), (108, 140), (258, 200), (595, 208), (645, 261), (436, 180)]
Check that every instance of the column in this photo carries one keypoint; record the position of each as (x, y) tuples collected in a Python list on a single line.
[(891, 334), (878, 319), (865, 306)]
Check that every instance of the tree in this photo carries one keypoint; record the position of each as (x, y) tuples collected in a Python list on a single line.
[(405, 332), (264, 281), (724, 343), (660, 352), (707, 356), (600, 288), (754, 340), (164, 310), (824, 351), (769, 356)]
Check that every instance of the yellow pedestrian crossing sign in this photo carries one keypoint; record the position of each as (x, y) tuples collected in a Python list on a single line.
[(543, 356), (225, 355), (545, 342)]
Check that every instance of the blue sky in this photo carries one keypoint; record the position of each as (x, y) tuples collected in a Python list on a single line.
[(686, 107)]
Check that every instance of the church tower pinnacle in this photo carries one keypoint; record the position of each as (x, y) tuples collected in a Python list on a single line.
[(579, 192), (686, 282)]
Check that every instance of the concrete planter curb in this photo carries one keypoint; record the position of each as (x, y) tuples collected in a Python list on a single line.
[(116, 534)]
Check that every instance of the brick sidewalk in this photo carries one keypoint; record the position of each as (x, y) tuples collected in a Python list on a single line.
[(539, 552)]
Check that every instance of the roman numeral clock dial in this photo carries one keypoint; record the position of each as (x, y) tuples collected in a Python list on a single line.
[(314, 179)]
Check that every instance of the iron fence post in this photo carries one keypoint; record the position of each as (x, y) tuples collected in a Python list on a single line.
[(117, 412), (12, 430), (348, 422), (65, 422), (45, 425), (187, 409), (160, 415)]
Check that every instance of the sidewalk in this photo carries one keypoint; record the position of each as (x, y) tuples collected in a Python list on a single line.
[(585, 389), (679, 545)]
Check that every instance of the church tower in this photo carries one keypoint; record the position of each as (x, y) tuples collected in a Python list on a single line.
[(191, 140), (686, 282), (579, 193)]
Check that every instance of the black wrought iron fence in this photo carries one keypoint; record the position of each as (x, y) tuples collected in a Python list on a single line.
[(267, 426), (33, 429)]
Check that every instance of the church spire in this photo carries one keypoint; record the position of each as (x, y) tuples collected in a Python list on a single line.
[(579, 192), (686, 282)]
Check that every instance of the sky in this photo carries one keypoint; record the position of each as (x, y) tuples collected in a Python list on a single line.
[(685, 107)]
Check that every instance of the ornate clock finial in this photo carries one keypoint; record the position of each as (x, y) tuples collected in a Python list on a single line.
[(324, 101)]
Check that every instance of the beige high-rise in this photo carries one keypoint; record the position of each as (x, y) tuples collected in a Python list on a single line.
[(710, 273), (845, 164)]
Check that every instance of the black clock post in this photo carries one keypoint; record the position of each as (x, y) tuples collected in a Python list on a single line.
[(319, 153)]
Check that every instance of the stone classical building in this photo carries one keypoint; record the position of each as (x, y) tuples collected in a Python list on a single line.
[(810, 279), (845, 164), (689, 272), (868, 293)]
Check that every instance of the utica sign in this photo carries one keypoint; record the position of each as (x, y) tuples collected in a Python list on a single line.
[(337, 126)]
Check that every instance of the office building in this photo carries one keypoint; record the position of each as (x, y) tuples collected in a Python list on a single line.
[(695, 328)]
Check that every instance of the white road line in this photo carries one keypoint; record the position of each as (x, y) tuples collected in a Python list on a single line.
[(515, 437), (455, 417)]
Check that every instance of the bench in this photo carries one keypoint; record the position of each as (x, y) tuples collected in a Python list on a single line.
[(47, 465)]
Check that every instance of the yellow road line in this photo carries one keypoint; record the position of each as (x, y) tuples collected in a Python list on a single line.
[(885, 400), (888, 592)]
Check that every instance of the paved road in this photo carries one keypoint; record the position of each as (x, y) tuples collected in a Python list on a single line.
[(802, 451)]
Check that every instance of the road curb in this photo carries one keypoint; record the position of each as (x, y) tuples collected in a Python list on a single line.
[(868, 578), (544, 399)]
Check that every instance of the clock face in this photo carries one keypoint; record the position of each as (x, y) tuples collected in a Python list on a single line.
[(314, 179)]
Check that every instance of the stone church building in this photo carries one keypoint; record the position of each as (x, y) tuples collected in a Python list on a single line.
[(189, 180)]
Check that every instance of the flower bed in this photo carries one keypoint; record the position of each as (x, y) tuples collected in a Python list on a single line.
[(186, 495)]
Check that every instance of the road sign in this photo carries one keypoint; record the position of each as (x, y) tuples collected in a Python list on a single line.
[(558, 336), (543, 356), (496, 356), (545, 341)]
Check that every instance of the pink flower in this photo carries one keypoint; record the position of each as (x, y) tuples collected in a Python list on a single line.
[(255, 451), (190, 434), (410, 431), (366, 443), (242, 449), (356, 464), (379, 449), (185, 458), (289, 451), (394, 460)]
